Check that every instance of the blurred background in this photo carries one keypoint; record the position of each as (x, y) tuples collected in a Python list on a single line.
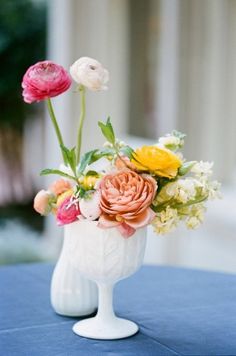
[(172, 65)]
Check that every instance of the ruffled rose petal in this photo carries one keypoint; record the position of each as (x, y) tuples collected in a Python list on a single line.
[(126, 230), (126, 197), (106, 222), (142, 220)]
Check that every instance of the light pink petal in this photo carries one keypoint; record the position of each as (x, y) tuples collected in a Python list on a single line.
[(105, 222), (126, 230), (142, 219)]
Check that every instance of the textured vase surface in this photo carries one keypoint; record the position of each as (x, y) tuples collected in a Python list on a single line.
[(71, 293), (104, 256)]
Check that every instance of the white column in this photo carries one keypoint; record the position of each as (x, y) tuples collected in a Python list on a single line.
[(208, 79), (167, 79), (165, 249)]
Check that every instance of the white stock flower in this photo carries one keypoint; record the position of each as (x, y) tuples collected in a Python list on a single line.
[(195, 216), (165, 221), (90, 73), (202, 168), (170, 141), (192, 222), (173, 141), (182, 190), (214, 190)]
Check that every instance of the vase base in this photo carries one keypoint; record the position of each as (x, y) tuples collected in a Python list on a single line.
[(76, 313), (94, 328)]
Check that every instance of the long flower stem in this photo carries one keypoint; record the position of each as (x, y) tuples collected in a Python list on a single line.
[(56, 127), (81, 122)]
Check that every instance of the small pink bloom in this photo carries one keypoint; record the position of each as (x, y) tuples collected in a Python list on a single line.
[(125, 201), (60, 186), (68, 211), (42, 202), (44, 80)]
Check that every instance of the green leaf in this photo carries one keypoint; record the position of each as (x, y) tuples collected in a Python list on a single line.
[(88, 158), (47, 171), (127, 151), (108, 131), (93, 156), (71, 157), (81, 192), (105, 152), (185, 168)]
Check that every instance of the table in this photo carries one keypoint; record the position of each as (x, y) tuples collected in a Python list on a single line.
[(179, 311)]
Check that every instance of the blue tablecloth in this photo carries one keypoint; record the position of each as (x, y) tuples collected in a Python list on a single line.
[(179, 311)]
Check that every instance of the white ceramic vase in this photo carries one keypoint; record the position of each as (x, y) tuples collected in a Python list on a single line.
[(71, 293), (105, 256)]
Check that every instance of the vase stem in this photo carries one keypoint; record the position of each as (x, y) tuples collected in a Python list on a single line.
[(105, 302)]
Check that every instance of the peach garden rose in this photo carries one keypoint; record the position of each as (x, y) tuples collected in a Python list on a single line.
[(125, 201)]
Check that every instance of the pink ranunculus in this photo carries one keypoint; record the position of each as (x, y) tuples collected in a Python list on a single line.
[(42, 202), (68, 211), (125, 201), (60, 186), (44, 80)]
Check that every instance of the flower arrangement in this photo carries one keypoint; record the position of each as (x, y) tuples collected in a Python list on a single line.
[(116, 185)]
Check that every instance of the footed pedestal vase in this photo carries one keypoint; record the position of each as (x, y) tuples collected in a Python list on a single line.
[(105, 256)]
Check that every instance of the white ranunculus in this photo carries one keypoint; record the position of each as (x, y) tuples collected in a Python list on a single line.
[(90, 208), (90, 73)]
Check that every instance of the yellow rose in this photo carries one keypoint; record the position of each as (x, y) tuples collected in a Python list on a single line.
[(156, 160)]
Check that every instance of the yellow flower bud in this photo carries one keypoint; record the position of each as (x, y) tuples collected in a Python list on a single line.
[(89, 182)]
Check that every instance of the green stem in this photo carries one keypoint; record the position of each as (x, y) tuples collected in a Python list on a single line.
[(56, 127), (163, 206), (191, 202), (81, 122)]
